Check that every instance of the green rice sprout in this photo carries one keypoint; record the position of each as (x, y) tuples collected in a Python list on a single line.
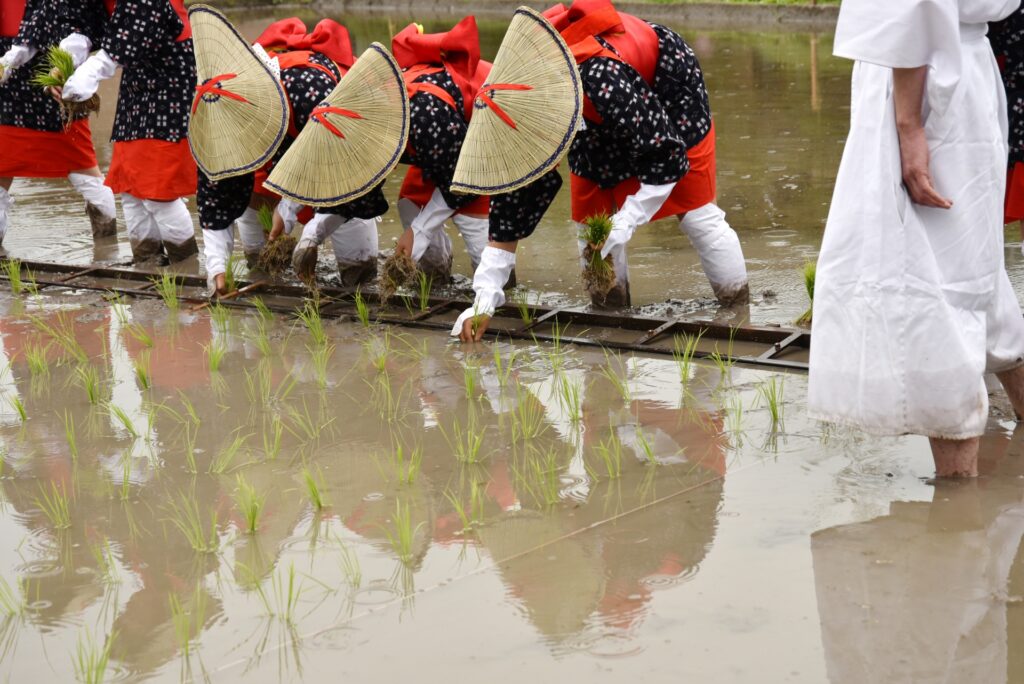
[(188, 621), (771, 392), (62, 331), (314, 488), (106, 562), (261, 309), (185, 516), (471, 516), (470, 380), (321, 357), (286, 596), (646, 449), (139, 333), (425, 284), (503, 366), (55, 505), (684, 348), (262, 339), (142, 366), (810, 270), (12, 598), (528, 418), (303, 426), (221, 317), (12, 270), (350, 567), (610, 453), (126, 476), (545, 476), (56, 59), (19, 407), (734, 415), (88, 378), (272, 438), (215, 353), (126, 422), (465, 442), (598, 272), (570, 397), (221, 463), (309, 314), (265, 215), (615, 372), (362, 310), (191, 432), (526, 312), (402, 534), (250, 503), (35, 356), (231, 272), (169, 289), (70, 434), (91, 659), (406, 467)]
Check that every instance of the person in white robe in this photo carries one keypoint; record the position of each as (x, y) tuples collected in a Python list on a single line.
[(912, 301)]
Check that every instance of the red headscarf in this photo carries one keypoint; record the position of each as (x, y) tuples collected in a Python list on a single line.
[(457, 50), (632, 38), (11, 13), (329, 38)]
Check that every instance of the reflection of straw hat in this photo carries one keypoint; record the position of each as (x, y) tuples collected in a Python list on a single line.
[(240, 111), (526, 114), (353, 139)]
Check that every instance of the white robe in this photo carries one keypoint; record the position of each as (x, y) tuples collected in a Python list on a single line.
[(912, 304)]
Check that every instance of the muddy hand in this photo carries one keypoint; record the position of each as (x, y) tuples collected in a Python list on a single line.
[(220, 284), (276, 227), (473, 328), (405, 242)]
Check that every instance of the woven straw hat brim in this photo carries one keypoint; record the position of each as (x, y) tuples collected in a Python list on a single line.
[(353, 140), (498, 157), (240, 112)]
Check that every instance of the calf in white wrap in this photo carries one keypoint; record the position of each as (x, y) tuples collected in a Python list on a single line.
[(912, 301)]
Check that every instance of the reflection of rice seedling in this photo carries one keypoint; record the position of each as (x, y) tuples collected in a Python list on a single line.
[(646, 449), (378, 349), (226, 456), (528, 417), (598, 273), (215, 353), (313, 488), (69, 434), (543, 472), (191, 432), (221, 317), (35, 356), (186, 517), (12, 270), (188, 621), (610, 452), (54, 71), (12, 599), (19, 407), (321, 357), (362, 310), (106, 563), (426, 283), (286, 596), (406, 469), (122, 417), (771, 392), (473, 516), (272, 438), (502, 366), (350, 566), (139, 333), (141, 365), (569, 395), (169, 290), (88, 378), (402, 534), (684, 348), (465, 442), (810, 271), (261, 339), (526, 312), (91, 659), (470, 379), (303, 426), (734, 415), (62, 331), (309, 314), (249, 502), (398, 271), (615, 372), (54, 505)]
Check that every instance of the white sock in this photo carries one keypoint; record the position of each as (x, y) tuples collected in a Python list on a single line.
[(95, 192)]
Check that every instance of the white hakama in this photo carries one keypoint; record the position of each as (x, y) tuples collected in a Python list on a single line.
[(912, 304)]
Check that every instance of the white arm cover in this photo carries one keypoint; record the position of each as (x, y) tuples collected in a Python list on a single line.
[(83, 83), (430, 220), (289, 213), (638, 209), (17, 56), (268, 61), (78, 46), (488, 283)]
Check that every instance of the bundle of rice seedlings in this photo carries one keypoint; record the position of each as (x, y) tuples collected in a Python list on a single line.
[(54, 73), (265, 214), (276, 257), (810, 270), (399, 269), (598, 274)]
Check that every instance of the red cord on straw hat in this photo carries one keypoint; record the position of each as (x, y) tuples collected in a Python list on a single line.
[(320, 116), (486, 99), (212, 86)]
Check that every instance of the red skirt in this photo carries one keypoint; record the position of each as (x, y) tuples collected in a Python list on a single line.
[(693, 191), (418, 189), (153, 170), (29, 153), (1014, 207)]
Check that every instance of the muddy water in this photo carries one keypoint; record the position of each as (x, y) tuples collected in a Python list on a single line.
[(719, 546)]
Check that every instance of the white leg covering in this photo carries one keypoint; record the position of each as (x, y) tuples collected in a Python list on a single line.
[(143, 233), (356, 246), (95, 192), (474, 233), (176, 228), (436, 261), (217, 246), (250, 230), (6, 202), (720, 252)]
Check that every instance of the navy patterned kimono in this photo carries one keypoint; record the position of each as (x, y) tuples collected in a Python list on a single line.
[(1007, 37)]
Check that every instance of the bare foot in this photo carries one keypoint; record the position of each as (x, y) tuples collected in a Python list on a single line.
[(955, 457)]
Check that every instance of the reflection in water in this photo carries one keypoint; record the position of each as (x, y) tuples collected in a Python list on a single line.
[(930, 592)]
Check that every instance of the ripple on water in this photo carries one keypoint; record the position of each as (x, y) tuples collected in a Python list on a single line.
[(605, 645), (375, 593)]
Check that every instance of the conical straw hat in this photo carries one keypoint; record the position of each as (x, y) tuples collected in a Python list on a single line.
[(352, 140), (527, 113), (240, 110)]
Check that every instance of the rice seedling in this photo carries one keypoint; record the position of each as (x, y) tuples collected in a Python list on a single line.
[(185, 516), (119, 414), (734, 416), (12, 598), (191, 432), (426, 283), (62, 331), (169, 289), (810, 270), (303, 426), (684, 348), (231, 272), (225, 457), (771, 392), (503, 366), (350, 566), (142, 375), (645, 447), (614, 370), (570, 397), (126, 475), (221, 317), (406, 468), (526, 312), (140, 334), (70, 435), (724, 361), (286, 596), (528, 418), (19, 407), (35, 356), (88, 378), (272, 438), (598, 272), (91, 659), (261, 339), (320, 358), (362, 310), (470, 379), (471, 516), (545, 476), (314, 488), (465, 442), (250, 503), (12, 270), (610, 453), (261, 309), (119, 305), (54, 71), (182, 623), (54, 505), (106, 562), (215, 353), (402, 535), (309, 314)]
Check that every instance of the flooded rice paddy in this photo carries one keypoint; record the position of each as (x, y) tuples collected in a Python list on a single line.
[(223, 495)]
